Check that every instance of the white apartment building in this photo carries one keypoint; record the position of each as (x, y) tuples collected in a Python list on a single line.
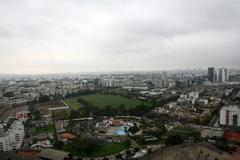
[(223, 75), (107, 82), (189, 98), (230, 116), (193, 95), (12, 139), (1, 130)]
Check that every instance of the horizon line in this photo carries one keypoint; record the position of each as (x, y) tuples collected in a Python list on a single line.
[(117, 71)]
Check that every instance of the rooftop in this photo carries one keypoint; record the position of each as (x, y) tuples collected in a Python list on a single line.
[(53, 154)]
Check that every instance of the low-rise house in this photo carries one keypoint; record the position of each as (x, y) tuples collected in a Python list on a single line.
[(160, 110), (203, 101), (67, 136), (172, 105)]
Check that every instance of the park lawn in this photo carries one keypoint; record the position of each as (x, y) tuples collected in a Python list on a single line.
[(73, 103), (101, 101), (106, 149), (182, 131), (46, 129), (110, 149)]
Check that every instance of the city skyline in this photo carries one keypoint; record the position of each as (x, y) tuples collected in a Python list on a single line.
[(41, 37)]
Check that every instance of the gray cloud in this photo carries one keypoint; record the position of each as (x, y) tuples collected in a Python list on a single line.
[(87, 35)]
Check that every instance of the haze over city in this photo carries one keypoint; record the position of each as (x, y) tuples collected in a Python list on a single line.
[(119, 79), (87, 35)]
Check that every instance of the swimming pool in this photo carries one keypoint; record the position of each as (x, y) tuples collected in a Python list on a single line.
[(121, 131)]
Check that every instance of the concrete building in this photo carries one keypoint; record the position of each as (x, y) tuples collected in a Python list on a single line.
[(211, 74), (158, 82), (52, 154), (218, 75), (1, 130), (106, 82), (12, 139), (223, 75), (230, 116), (193, 95)]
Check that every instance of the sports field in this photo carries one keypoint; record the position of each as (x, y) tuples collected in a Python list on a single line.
[(106, 149), (102, 100)]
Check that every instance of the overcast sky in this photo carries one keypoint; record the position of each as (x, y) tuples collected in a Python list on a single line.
[(56, 36)]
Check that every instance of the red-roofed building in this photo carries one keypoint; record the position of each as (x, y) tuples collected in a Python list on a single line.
[(114, 122), (233, 136), (68, 136)]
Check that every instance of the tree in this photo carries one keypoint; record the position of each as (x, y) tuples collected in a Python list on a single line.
[(196, 135), (44, 98), (8, 94), (156, 133), (69, 157), (122, 108), (108, 110), (134, 129), (149, 151), (174, 140), (87, 145), (136, 149), (74, 114), (37, 114), (118, 156), (128, 153), (223, 145), (58, 145)]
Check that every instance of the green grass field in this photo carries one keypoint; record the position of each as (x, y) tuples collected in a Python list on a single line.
[(110, 149), (105, 150), (73, 103), (101, 101)]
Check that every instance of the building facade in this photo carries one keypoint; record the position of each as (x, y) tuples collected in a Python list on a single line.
[(218, 75), (211, 74), (223, 75), (230, 116), (12, 139)]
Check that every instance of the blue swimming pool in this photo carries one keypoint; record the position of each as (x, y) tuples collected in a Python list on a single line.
[(121, 131)]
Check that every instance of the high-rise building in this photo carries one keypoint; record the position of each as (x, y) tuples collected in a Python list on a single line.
[(218, 75), (230, 116), (157, 81), (223, 75), (211, 74)]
